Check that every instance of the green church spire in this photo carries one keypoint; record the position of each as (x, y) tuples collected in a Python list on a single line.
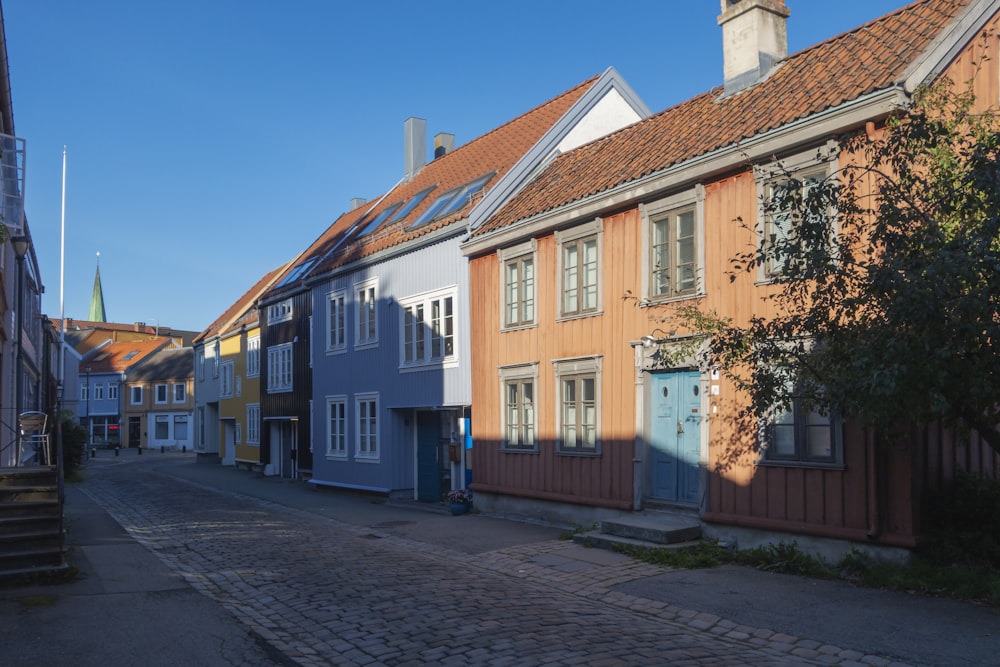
[(97, 313)]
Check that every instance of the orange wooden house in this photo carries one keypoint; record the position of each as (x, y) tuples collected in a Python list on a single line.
[(575, 414)]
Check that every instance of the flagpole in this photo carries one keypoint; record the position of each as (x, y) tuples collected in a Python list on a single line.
[(62, 283)]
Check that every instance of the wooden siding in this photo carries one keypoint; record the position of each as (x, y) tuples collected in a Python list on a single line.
[(605, 479), (295, 403), (377, 369)]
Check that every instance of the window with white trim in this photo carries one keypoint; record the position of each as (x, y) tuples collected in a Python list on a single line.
[(279, 368), (336, 427), (517, 391), (580, 269), (201, 363), (238, 435), (112, 391), (578, 384), (180, 427), (674, 256), (216, 353), (366, 440), (180, 392), (279, 312), (366, 312), (253, 424), (519, 287), (253, 356), (161, 429), (336, 320), (136, 394), (84, 391), (99, 391), (784, 190), (428, 328), (226, 380), (160, 394), (798, 434)]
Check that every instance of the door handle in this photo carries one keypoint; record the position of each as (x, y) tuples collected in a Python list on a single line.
[(680, 427)]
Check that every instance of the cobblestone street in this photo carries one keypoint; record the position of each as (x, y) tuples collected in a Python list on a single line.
[(326, 592)]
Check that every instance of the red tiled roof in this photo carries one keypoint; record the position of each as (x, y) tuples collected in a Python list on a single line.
[(115, 356), (869, 58), (494, 152)]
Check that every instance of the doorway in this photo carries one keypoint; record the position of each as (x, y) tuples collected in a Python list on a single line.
[(675, 436)]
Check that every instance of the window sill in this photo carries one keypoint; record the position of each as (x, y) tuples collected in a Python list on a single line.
[(519, 450), (583, 454), (519, 327), (580, 316), (336, 457), (429, 366), (366, 459), (818, 465), (368, 345), (651, 301)]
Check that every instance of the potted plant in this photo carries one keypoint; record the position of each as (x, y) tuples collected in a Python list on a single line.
[(460, 501)]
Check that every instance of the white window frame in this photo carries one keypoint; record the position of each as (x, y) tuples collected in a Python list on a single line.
[(516, 297), (667, 210), (253, 356), (112, 391), (135, 394), (253, 423), (157, 389), (238, 434), (201, 363), (216, 354), (822, 162), (336, 321), (366, 422), (226, 379), (424, 342), (366, 316), (180, 392), (180, 419), (161, 419), (579, 369), (336, 431), (99, 391), (84, 391), (519, 376), (280, 368), (280, 311), (575, 236)]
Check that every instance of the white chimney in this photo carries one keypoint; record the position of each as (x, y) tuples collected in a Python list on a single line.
[(754, 38), (414, 146), (358, 201), (444, 143)]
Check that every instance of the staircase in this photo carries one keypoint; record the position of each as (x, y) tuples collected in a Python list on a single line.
[(32, 539), (656, 529)]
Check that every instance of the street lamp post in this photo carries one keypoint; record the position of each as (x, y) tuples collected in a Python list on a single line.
[(20, 244)]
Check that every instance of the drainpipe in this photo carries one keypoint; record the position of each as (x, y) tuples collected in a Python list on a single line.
[(875, 490)]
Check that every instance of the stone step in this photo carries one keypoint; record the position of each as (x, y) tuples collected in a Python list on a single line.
[(600, 540), (656, 528)]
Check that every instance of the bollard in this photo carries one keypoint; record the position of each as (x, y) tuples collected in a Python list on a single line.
[(93, 453), (161, 449), (116, 450), (184, 449), (140, 450)]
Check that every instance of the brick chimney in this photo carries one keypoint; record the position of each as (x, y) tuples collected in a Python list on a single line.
[(753, 40)]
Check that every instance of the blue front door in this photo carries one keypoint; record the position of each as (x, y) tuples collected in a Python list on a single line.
[(428, 457), (675, 436)]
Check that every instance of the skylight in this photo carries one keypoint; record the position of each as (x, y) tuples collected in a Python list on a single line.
[(412, 204), (299, 271), (452, 200), (130, 355), (379, 219)]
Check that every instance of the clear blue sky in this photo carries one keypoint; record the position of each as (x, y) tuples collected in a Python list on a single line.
[(209, 141)]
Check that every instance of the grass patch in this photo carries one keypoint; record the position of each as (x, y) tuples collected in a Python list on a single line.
[(973, 584)]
